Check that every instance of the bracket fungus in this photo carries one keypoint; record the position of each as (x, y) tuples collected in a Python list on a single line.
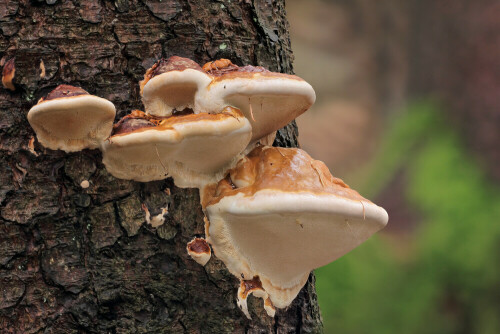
[(268, 99), (254, 287), (170, 85), (194, 149), (279, 214), (199, 250), (71, 119), (154, 221)]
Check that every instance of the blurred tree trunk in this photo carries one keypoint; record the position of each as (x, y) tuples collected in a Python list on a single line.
[(455, 56), (442, 49), (76, 260)]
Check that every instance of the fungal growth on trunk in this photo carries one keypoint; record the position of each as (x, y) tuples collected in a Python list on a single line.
[(254, 287), (269, 100), (8, 74), (280, 214), (273, 215), (194, 149), (70, 119), (199, 250)]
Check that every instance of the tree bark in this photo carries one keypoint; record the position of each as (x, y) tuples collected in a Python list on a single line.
[(76, 260)]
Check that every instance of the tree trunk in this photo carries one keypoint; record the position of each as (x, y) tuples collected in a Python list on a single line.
[(76, 260)]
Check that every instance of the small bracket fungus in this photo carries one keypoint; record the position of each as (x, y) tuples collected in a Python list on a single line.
[(170, 85), (254, 286), (269, 100), (8, 74), (42, 69), (155, 221), (71, 119), (194, 149), (199, 250), (31, 146), (279, 214)]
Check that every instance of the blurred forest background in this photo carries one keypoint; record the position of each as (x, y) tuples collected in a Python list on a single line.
[(408, 113)]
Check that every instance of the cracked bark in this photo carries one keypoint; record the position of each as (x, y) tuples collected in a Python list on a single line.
[(76, 260)]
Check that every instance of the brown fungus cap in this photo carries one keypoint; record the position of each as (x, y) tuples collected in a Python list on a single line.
[(199, 250), (279, 214), (63, 91), (163, 65), (269, 100), (134, 121), (172, 84), (194, 149), (71, 119), (131, 124)]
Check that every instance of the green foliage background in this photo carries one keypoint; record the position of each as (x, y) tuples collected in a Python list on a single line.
[(450, 281)]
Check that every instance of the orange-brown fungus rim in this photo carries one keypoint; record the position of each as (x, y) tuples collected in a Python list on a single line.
[(64, 92), (283, 164), (264, 75), (220, 65), (172, 64), (138, 114), (248, 286), (268, 302), (168, 122), (125, 125)]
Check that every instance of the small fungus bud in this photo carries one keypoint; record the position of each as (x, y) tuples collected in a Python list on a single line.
[(31, 146), (155, 221), (42, 69), (8, 74), (199, 250), (85, 184), (253, 286)]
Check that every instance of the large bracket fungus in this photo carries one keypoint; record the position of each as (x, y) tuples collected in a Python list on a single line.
[(273, 215), (269, 100), (279, 214), (193, 148), (70, 119)]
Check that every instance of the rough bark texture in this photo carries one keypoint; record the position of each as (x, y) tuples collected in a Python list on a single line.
[(76, 260)]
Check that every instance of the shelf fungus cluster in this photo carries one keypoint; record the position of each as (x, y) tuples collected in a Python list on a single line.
[(273, 214)]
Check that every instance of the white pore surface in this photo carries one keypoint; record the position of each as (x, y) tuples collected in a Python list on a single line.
[(281, 236), (174, 89), (274, 101), (192, 153), (72, 123)]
